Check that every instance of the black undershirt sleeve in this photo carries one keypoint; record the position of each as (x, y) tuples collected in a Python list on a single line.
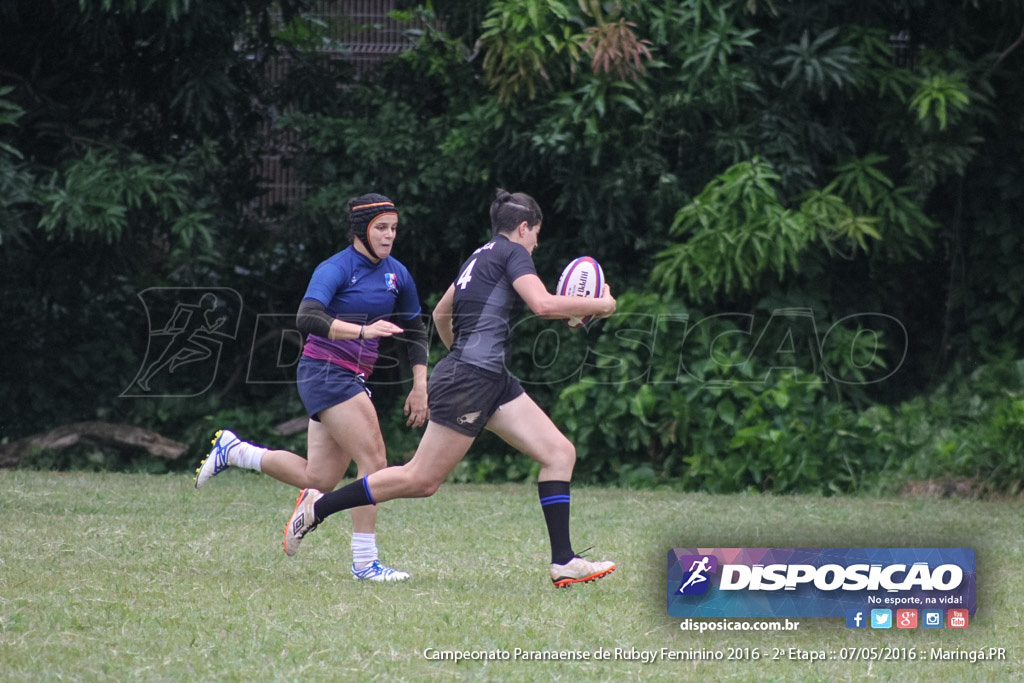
[(413, 342), (313, 319)]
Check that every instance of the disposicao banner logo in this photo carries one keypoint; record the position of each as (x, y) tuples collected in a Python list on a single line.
[(817, 582)]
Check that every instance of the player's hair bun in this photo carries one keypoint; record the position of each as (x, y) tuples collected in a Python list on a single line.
[(509, 210), (502, 196)]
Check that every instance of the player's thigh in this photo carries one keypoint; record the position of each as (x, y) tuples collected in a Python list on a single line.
[(326, 461), (523, 425), (354, 427)]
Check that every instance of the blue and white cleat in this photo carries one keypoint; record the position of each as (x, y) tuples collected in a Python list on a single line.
[(217, 460), (375, 571)]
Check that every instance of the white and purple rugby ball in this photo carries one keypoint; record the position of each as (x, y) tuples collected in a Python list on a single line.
[(582, 277)]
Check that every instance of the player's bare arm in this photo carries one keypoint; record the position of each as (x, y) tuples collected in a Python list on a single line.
[(346, 330), (548, 305), (442, 316)]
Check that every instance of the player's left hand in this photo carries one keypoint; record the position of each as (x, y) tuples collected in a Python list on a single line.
[(416, 409)]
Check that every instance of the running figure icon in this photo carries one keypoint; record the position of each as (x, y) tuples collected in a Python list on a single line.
[(190, 326), (697, 569)]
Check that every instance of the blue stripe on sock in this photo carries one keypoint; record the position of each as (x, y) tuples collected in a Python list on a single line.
[(551, 500), (366, 487)]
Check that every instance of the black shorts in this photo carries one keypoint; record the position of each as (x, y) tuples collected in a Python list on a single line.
[(323, 385), (463, 397)]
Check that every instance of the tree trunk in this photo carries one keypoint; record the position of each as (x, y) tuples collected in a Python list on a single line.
[(101, 434), (294, 426)]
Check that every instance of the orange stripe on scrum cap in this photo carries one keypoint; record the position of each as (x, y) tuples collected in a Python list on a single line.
[(379, 216), (370, 206)]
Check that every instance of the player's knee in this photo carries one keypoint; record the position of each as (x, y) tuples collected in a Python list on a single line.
[(378, 462), (567, 455), (322, 482), (372, 462), (427, 489), (424, 488)]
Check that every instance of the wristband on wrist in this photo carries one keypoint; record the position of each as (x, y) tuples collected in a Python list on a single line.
[(362, 331)]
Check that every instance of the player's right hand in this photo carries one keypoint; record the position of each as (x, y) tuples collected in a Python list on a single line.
[(608, 300), (381, 328)]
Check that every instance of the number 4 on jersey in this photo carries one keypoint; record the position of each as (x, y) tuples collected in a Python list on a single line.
[(466, 276)]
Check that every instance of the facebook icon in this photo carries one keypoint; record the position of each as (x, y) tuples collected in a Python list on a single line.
[(855, 618)]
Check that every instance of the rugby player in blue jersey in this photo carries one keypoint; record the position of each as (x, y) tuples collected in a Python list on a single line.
[(472, 389), (344, 313)]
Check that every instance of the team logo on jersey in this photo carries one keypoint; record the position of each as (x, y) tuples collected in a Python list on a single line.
[(391, 281), (468, 418)]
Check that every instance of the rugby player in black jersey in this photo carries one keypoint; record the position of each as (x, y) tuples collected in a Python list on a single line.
[(472, 389)]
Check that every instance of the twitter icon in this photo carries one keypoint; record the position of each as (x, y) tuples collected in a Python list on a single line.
[(881, 618)]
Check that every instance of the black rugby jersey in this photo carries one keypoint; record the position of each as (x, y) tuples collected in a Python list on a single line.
[(485, 302)]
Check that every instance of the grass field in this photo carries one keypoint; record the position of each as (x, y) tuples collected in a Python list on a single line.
[(141, 577)]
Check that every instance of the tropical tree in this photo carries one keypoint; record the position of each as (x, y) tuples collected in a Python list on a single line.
[(127, 147), (744, 162)]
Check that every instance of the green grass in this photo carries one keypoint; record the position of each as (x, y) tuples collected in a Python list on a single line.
[(140, 577)]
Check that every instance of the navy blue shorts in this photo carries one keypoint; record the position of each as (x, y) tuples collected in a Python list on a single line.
[(322, 385), (463, 397)]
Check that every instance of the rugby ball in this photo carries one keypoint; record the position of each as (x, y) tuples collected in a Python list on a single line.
[(582, 277)]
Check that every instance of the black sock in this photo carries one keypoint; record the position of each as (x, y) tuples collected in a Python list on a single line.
[(554, 502), (354, 495)]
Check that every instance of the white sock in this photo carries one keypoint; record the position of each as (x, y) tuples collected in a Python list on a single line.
[(246, 455), (364, 549)]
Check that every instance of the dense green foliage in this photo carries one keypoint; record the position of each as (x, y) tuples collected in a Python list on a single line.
[(832, 186)]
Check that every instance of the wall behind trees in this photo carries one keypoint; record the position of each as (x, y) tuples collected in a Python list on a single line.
[(831, 188)]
